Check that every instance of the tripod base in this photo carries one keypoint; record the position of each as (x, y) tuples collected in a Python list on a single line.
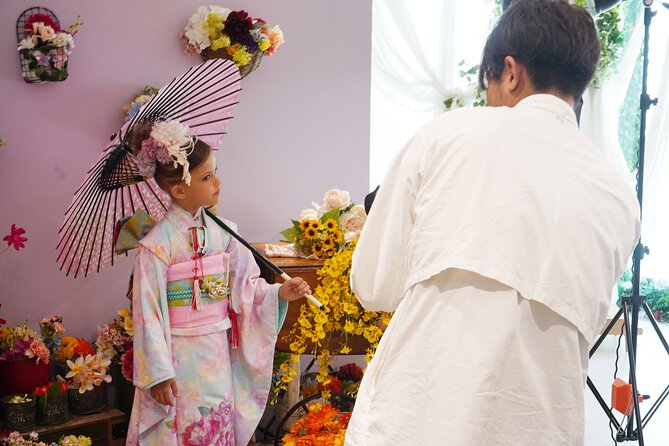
[(633, 430)]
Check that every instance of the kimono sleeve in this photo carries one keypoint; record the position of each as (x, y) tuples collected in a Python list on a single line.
[(152, 354), (379, 268)]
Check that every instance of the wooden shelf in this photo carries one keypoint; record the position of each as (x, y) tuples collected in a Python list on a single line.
[(105, 428)]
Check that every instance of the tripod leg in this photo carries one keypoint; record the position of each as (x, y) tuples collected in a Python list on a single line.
[(655, 326), (589, 382), (630, 335)]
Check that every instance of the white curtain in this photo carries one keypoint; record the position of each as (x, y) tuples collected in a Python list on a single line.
[(655, 227), (599, 119), (416, 45), (601, 106)]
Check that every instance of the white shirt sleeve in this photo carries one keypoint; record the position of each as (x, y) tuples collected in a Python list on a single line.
[(378, 272)]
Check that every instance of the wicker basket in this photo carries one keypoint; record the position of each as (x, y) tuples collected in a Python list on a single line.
[(88, 402), (41, 64), (18, 416), (54, 411), (244, 70)]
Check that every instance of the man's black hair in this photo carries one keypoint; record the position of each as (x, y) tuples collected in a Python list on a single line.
[(555, 41)]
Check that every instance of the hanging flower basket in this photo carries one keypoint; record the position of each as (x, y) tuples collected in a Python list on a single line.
[(91, 401), (18, 416), (44, 65), (244, 70), (44, 47)]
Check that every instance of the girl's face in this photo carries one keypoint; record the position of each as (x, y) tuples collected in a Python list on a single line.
[(204, 189)]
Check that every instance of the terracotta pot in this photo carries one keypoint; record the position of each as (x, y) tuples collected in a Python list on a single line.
[(22, 377)]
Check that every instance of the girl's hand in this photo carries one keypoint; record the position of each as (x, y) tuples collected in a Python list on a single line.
[(293, 289), (162, 392)]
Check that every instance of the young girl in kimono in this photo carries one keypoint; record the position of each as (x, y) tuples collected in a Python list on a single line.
[(196, 291)]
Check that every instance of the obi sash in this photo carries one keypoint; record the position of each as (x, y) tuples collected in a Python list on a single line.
[(212, 294)]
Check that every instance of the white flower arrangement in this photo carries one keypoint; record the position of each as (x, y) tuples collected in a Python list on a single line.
[(89, 371), (195, 34)]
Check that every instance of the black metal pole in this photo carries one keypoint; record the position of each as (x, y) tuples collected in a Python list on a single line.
[(257, 253)]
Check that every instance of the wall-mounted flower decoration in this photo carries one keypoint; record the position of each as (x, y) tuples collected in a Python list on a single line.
[(44, 47), (217, 32)]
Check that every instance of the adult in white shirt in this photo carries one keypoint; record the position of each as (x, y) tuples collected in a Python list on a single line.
[(497, 236)]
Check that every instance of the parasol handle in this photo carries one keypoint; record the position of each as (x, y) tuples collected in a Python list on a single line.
[(258, 255)]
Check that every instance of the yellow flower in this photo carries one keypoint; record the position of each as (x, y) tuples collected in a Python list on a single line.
[(317, 249), (330, 224), (305, 224), (342, 314), (67, 346), (328, 243), (315, 224), (264, 44), (127, 326), (239, 54), (220, 42), (310, 233)]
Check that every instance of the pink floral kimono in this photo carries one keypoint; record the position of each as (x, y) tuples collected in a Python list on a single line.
[(185, 335)]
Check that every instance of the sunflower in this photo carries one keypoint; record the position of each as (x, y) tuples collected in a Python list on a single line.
[(315, 224), (305, 224), (310, 234), (328, 243), (317, 249), (331, 225)]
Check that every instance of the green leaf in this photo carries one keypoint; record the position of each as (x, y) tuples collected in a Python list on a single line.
[(333, 214), (204, 410), (55, 389), (290, 234)]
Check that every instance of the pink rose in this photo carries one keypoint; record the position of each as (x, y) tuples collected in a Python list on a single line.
[(353, 220)]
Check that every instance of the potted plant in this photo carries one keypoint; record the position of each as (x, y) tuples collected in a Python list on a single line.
[(52, 403), (24, 360), (18, 411), (88, 393)]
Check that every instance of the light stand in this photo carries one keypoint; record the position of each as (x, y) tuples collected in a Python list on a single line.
[(633, 430)]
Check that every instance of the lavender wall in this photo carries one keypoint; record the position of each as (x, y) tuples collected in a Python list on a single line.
[(302, 127)]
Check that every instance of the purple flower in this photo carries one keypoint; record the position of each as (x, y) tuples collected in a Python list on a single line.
[(150, 149), (44, 59)]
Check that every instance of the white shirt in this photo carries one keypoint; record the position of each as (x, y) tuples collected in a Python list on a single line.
[(518, 195)]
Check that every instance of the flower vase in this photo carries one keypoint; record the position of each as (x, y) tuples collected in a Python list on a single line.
[(18, 416), (53, 411), (44, 65), (244, 70), (22, 377), (88, 402)]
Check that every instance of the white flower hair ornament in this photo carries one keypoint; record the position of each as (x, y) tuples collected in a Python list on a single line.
[(169, 142)]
